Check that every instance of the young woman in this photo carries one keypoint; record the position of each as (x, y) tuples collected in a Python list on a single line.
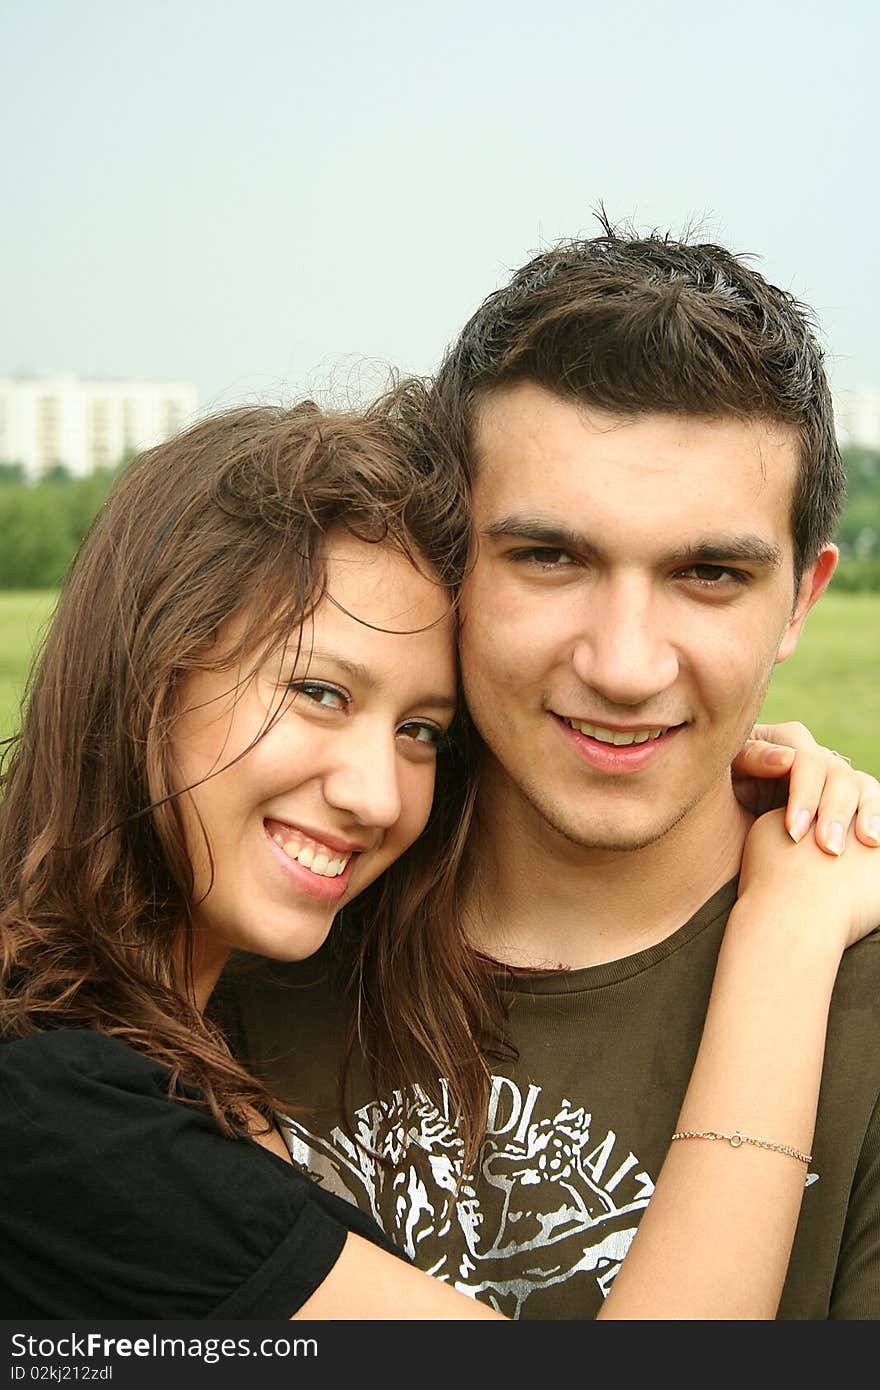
[(239, 722)]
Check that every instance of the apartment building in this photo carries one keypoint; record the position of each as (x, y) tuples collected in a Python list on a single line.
[(83, 424), (857, 415)]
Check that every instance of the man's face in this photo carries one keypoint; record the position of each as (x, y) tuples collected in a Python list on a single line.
[(632, 590)]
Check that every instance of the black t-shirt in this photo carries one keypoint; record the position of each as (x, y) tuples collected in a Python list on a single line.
[(121, 1202)]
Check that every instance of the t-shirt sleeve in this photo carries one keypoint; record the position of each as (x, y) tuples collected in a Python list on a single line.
[(128, 1203)]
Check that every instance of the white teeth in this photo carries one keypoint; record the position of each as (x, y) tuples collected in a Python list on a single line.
[(320, 861), (620, 739)]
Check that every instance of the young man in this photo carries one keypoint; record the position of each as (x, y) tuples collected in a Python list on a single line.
[(649, 442)]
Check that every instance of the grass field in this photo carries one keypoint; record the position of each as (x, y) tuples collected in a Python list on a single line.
[(832, 683), (23, 616)]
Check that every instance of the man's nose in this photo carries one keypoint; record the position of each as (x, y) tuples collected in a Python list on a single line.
[(626, 653), (364, 781)]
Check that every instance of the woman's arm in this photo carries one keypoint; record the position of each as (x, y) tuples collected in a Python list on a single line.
[(715, 1240), (367, 1284)]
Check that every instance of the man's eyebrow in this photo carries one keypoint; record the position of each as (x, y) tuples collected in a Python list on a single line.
[(536, 528), (711, 550), (363, 675), (716, 550)]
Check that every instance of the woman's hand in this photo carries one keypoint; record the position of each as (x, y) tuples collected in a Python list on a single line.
[(819, 890), (782, 766)]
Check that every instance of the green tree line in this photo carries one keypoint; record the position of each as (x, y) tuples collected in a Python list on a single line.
[(858, 534), (42, 524)]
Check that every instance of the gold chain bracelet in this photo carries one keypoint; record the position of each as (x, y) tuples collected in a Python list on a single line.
[(737, 1139)]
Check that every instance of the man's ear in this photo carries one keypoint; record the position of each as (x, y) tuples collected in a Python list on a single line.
[(814, 582)]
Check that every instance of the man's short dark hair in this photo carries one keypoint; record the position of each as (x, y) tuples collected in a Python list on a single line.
[(632, 324)]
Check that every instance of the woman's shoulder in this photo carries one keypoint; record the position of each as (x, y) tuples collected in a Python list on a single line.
[(60, 1052), (70, 1079), (102, 1161)]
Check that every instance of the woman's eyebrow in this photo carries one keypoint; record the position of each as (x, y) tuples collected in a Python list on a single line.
[(354, 669), (370, 678)]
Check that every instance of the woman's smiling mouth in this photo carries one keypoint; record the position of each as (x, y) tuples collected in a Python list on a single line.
[(313, 854), (322, 868)]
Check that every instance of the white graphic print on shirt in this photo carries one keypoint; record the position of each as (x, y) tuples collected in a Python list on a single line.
[(563, 1198)]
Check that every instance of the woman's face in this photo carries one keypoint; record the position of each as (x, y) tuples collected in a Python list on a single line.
[(342, 781)]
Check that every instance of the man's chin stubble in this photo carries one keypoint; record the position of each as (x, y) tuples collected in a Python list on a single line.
[(610, 838)]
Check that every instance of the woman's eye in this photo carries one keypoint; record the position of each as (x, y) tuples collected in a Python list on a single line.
[(327, 696), (429, 735)]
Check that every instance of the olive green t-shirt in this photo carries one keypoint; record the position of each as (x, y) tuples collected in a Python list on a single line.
[(579, 1125)]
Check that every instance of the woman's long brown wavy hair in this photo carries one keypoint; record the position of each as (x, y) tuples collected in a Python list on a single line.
[(96, 885)]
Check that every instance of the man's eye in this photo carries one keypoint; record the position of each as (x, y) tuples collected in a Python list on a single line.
[(326, 696), (714, 575), (544, 557)]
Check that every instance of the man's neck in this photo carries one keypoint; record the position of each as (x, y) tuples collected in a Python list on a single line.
[(542, 901)]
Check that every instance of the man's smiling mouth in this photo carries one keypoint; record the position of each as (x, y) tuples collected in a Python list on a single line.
[(620, 738)]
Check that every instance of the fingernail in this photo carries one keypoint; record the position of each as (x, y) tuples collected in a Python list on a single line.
[(800, 825), (873, 830), (834, 838), (779, 757)]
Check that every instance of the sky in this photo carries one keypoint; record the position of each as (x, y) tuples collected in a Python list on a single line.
[(273, 198)]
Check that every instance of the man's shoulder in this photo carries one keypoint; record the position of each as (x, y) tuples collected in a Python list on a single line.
[(852, 1054), (859, 974), (859, 966), (256, 985), (287, 1022)]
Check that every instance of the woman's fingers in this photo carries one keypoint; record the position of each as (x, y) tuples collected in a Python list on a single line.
[(821, 787), (868, 818), (760, 772), (790, 734), (838, 804)]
